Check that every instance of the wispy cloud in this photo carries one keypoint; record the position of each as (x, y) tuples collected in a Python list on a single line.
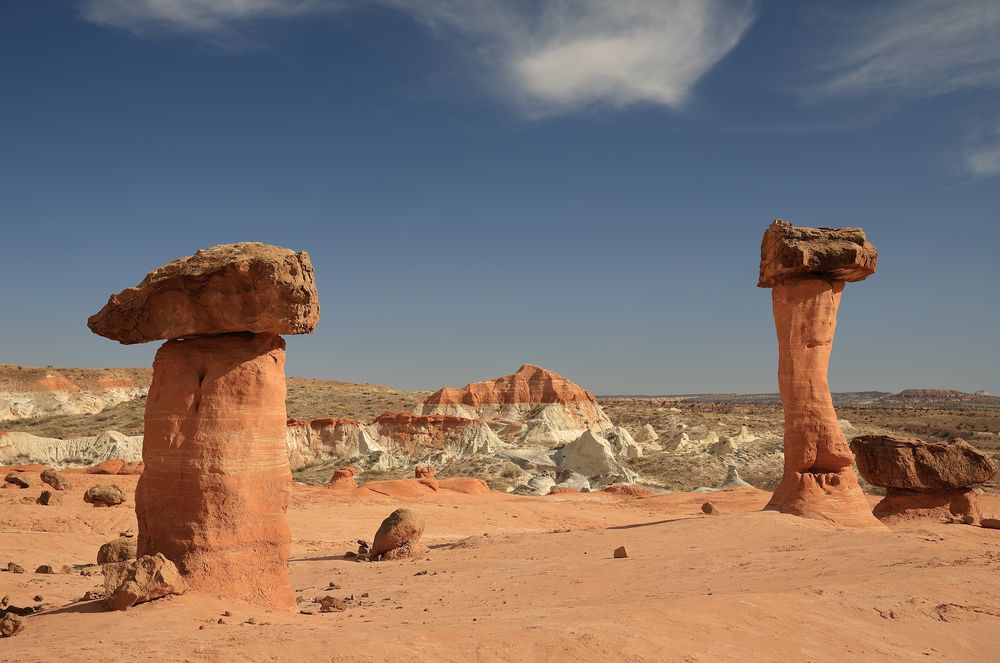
[(551, 57), (914, 48), (982, 156)]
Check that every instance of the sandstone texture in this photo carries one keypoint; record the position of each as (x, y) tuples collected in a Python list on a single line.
[(121, 549), (923, 480), (104, 495), (32, 393), (47, 498), (229, 288), (19, 447), (17, 479), (835, 254), (343, 479), (894, 462), (400, 531), (216, 483), (806, 269), (147, 578)]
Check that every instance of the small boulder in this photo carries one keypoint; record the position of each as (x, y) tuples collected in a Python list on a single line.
[(710, 509), (45, 569), (57, 480), (402, 527), (111, 466), (49, 498), (733, 480), (104, 495), (17, 479), (11, 625), (121, 549), (893, 462), (990, 523), (144, 579), (14, 567), (620, 553), (647, 434)]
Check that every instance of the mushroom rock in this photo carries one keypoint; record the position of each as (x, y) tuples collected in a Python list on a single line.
[(398, 536), (922, 479), (229, 288), (531, 406), (806, 269), (216, 480), (216, 484), (343, 479)]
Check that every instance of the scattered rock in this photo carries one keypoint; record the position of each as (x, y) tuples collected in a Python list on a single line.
[(57, 480), (620, 552), (332, 604), (15, 568), (990, 523), (11, 625), (45, 569), (104, 495), (49, 498), (711, 509), (17, 479), (92, 595), (144, 579), (121, 549), (110, 466), (403, 527)]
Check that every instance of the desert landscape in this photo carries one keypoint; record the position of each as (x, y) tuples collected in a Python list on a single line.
[(476, 330), (516, 518)]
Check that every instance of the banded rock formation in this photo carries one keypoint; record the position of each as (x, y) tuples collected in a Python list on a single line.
[(923, 479), (31, 393), (533, 406), (213, 496), (20, 447), (806, 269)]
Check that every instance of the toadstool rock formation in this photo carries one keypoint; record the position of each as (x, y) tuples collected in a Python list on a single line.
[(216, 479), (922, 479), (806, 269)]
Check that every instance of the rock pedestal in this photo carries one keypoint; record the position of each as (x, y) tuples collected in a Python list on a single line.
[(933, 481), (213, 496), (806, 269), (216, 482)]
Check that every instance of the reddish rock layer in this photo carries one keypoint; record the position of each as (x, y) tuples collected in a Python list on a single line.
[(895, 462), (530, 384), (818, 481), (229, 288), (411, 431), (942, 505), (216, 483)]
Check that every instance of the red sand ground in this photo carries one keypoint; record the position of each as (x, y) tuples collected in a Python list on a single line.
[(532, 579)]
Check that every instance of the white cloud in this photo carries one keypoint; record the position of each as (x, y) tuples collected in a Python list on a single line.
[(982, 156), (915, 48), (550, 57)]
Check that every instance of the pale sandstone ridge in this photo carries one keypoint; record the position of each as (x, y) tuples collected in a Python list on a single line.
[(213, 496), (229, 288), (922, 479), (533, 406), (806, 269), (27, 448), (31, 393)]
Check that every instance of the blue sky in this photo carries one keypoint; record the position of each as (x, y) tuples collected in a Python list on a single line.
[(480, 184)]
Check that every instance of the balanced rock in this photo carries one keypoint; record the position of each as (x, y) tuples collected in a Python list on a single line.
[(834, 254), (806, 269), (923, 479), (55, 479), (398, 536), (144, 579), (121, 549), (229, 288), (104, 495)]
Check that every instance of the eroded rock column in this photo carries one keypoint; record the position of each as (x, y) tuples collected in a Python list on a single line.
[(216, 484), (806, 269)]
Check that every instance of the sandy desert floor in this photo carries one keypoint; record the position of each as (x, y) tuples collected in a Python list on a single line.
[(513, 578)]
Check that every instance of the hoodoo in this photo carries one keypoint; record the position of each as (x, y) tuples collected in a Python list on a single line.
[(216, 483), (806, 269)]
